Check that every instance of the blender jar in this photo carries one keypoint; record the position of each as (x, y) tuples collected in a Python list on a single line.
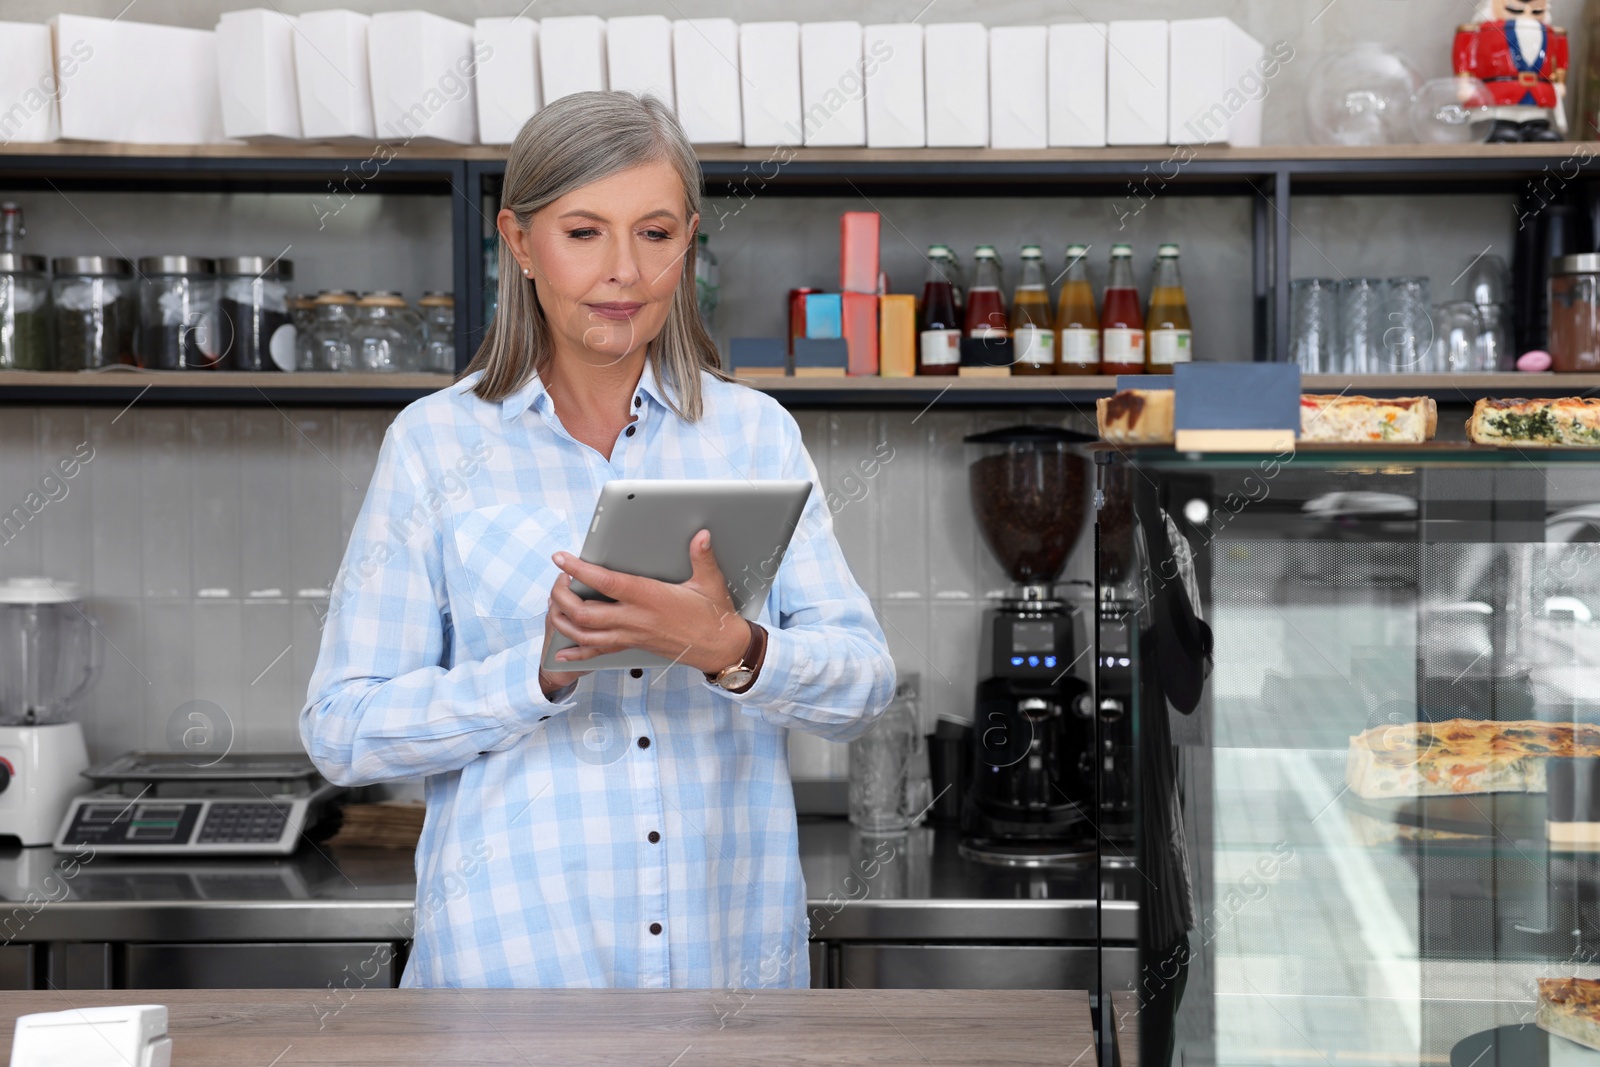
[(49, 655)]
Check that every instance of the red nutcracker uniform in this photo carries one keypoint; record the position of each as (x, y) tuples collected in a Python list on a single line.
[(1522, 80)]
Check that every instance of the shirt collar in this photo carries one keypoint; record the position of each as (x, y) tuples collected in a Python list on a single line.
[(534, 394)]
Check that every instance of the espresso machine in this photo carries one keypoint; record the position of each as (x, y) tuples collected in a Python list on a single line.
[(49, 657), (1031, 792)]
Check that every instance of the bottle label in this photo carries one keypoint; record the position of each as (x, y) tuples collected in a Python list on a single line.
[(1034, 346), (1080, 347), (1122, 345), (1171, 346), (940, 348)]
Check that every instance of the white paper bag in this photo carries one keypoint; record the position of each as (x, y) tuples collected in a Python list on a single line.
[(330, 64), (769, 59), (140, 84), (705, 61), (28, 83), (832, 90), (1018, 117), (255, 75), (1217, 87), (896, 111), (424, 78), (956, 82), (508, 76), (639, 56), (572, 55), (1076, 80)]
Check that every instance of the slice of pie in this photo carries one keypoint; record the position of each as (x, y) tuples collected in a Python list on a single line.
[(1422, 759), (1570, 1008), (1136, 417), (1364, 420), (1565, 422)]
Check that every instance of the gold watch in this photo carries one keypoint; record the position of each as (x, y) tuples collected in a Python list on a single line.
[(739, 676)]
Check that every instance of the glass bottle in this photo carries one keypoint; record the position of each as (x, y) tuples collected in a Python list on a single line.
[(986, 305), (881, 762), (706, 280), (1033, 335), (330, 334), (1077, 322), (1121, 324), (438, 332), (939, 331), (1168, 333), (386, 336)]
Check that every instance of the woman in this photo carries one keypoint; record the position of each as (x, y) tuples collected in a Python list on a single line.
[(615, 828)]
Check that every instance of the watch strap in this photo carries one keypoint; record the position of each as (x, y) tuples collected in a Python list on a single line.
[(748, 661)]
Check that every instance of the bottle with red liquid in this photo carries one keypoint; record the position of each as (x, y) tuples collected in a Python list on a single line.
[(986, 304), (1121, 322), (939, 331)]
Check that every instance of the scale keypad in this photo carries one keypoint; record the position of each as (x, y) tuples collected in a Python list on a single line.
[(247, 823)]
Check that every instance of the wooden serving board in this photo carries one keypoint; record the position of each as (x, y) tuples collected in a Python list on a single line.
[(579, 1027)]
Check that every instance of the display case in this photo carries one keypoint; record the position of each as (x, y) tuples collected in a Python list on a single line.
[(1360, 780)]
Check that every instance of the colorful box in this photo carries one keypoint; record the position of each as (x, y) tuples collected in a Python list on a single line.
[(824, 317), (897, 335), (860, 329), (858, 251)]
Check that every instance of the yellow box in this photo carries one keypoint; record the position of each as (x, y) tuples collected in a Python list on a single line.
[(897, 335)]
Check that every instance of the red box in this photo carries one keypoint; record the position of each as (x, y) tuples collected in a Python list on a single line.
[(860, 321), (858, 252)]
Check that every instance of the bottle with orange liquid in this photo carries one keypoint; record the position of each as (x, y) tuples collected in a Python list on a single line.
[(1168, 333), (1077, 322), (986, 305), (1033, 335), (1121, 324)]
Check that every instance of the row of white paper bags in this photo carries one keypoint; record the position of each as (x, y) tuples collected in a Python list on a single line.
[(397, 76)]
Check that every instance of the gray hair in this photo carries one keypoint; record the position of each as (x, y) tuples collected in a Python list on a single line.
[(577, 140)]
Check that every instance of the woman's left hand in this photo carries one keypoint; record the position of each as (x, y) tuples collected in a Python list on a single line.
[(694, 622)]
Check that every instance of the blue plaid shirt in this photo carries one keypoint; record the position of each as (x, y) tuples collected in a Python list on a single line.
[(642, 831)]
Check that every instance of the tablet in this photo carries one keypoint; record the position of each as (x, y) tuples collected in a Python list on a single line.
[(644, 528)]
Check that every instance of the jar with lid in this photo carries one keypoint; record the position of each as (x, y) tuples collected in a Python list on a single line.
[(96, 312), (330, 331), (303, 314), (24, 313), (1575, 313), (386, 336), (178, 328), (438, 332), (256, 330)]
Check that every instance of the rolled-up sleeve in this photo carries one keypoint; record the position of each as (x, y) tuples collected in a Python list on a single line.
[(382, 705), (827, 669)]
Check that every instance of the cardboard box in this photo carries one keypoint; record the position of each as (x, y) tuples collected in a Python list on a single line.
[(1076, 85), (1018, 88), (820, 357), (1136, 82), (860, 329), (769, 62), (330, 68), (897, 335), (956, 84), (639, 56), (896, 108), (572, 55), (858, 251), (28, 82), (139, 84), (705, 58), (824, 317), (509, 90), (255, 75), (424, 78), (1216, 91), (759, 357), (832, 90)]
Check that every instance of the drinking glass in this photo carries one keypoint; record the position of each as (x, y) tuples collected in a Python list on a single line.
[(1407, 327), (1458, 345), (1313, 324), (1361, 325), (1496, 338)]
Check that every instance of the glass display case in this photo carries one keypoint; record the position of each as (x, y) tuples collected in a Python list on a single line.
[(1360, 780)]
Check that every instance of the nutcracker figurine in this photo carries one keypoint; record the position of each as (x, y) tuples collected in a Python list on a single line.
[(1514, 50)]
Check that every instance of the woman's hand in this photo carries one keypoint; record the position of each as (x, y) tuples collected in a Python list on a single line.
[(694, 623)]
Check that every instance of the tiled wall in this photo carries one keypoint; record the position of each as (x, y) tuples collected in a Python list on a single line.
[(206, 539)]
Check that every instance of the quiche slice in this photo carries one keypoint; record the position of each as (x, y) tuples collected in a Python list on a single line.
[(1362, 419), (1565, 422), (1421, 759), (1570, 1008), (1136, 417)]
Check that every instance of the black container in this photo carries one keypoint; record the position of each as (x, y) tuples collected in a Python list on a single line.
[(949, 767), (257, 330)]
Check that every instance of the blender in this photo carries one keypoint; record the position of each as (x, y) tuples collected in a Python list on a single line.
[(49, 656), (1031, 791)]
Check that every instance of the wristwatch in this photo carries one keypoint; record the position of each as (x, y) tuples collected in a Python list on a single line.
[(740, 676)]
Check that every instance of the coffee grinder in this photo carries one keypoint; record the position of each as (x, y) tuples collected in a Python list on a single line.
[(1032, 788)]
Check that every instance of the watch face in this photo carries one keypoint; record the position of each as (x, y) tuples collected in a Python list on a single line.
[(734, 679)]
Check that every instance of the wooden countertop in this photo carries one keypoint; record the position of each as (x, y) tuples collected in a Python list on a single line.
[(577, 1027)]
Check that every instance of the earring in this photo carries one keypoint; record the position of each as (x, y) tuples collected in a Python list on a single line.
[(526, 272)]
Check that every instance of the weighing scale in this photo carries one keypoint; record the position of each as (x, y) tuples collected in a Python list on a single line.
[(164, 804)]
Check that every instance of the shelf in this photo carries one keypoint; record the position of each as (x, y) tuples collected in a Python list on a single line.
[(231, 388)]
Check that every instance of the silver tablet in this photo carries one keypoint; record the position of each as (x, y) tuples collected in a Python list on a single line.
[(644, 528)]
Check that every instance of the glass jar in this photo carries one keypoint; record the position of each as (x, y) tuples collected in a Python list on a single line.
[(882, 765), (1575, 313), (24, 313), (96, 312), (387, 335), (178, 327), (330, 332), (438, 332), (257, 332), (303, 314)]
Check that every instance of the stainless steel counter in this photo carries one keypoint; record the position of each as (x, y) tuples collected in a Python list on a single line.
[(915, 887)]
